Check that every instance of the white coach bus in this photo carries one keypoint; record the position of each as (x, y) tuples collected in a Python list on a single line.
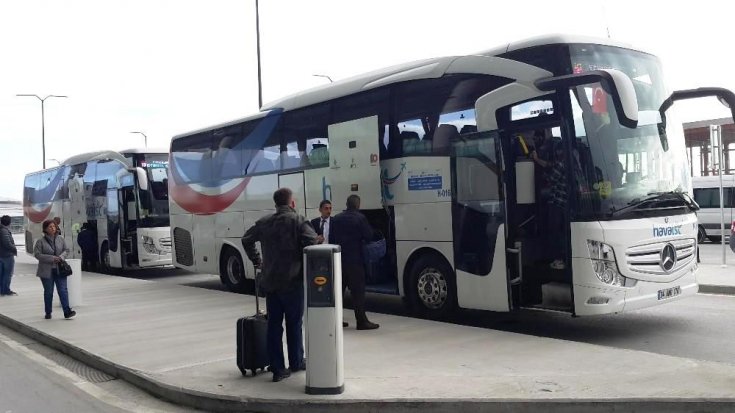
[(440, 151), (122, 196)]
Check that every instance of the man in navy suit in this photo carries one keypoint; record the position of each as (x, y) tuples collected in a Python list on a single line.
[(321, 225), (350, 231)]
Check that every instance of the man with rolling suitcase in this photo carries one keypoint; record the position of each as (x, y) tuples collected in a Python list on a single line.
[(282, 236)]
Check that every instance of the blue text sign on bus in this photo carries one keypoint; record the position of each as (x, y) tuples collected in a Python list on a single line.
[(423, 183)]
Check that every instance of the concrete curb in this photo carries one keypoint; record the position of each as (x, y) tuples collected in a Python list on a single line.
[(223, 403), (717, 289)]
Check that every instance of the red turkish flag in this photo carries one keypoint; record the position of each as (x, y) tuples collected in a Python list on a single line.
[(599, 102)]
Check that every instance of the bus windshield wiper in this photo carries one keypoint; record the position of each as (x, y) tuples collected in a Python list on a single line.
[(691, 203), (652, 196)]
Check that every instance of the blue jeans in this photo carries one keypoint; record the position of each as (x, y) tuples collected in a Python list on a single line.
[(48, 293), (291, 306), (6, 273)]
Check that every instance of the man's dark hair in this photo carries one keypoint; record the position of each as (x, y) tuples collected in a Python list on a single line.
[(324, 202), (353, 202), (282, 196), (5, 220)]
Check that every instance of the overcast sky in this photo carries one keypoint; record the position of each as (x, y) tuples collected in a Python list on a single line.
[(167, 67)]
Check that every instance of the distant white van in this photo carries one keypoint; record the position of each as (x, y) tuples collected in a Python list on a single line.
[(707, 194)]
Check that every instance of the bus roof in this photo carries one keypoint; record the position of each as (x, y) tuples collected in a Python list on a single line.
[(485, 62), (421, 69), (145, 150), (95, 156), (550, 39)]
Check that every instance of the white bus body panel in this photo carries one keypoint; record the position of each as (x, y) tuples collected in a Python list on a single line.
[(161, 237), (203, 232), (421, 222), (618, 234), (295, 182)]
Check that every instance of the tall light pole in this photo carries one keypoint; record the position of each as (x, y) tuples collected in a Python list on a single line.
[(257, 36), (145, 138), (43, 122)]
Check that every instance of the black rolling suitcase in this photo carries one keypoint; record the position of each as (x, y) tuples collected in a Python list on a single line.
[(252, 339)]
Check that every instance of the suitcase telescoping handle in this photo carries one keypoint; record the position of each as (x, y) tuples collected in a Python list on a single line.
[(257, 289)]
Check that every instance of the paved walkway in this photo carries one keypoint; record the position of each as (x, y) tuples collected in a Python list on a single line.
[(178, 342)]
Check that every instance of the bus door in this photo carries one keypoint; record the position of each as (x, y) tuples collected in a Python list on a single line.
[(537, 249), (129, 217), (354, 164), (129, 227), (478, 222)]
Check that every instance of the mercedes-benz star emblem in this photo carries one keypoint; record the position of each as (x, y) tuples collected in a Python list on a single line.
[(668, 257)]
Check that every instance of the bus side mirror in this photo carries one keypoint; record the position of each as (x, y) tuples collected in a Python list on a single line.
[(725, 96), (142, 178), (616, 83)]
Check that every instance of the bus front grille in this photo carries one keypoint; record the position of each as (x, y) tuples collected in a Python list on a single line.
[(184, 251), (647, 258)]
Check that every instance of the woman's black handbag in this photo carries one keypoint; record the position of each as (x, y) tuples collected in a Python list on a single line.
[(64, 269)]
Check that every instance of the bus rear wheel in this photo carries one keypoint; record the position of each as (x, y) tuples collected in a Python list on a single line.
[(232, 271), (433, 291)]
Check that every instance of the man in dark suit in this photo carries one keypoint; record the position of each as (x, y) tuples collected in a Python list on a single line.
[(321, 225), (350, 230)]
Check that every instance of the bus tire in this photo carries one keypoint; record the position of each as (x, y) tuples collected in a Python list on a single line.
[(232, 271), (433, 287), (701, 234)]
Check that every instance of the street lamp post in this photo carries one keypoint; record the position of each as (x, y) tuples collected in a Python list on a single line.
[(145, 138), (43, 122)]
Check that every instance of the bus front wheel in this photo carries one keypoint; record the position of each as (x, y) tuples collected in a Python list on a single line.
[(232, 271), (433, 291)]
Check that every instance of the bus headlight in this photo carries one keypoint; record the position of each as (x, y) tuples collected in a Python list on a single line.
[(603, 263), (149, 246)]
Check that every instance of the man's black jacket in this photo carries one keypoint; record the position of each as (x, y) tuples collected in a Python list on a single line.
[(282, 238)]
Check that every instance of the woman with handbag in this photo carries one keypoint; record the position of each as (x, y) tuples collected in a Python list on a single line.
[(51, 251)]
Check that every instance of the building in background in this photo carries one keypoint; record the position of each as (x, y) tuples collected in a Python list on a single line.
[(699, 152)]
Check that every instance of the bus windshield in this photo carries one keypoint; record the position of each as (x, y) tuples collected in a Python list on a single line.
[(154, 209), (616, 167)]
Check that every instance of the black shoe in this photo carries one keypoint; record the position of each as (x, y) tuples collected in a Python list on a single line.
[(283, 374), (301, 367), (367, 325), (47, 316), (12, 293), (345, 324), (70, 314)]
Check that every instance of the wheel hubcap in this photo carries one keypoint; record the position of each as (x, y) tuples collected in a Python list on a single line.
[(432, 288), (234, 270)]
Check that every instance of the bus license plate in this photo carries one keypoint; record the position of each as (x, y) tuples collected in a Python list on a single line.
[(669, 293)]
